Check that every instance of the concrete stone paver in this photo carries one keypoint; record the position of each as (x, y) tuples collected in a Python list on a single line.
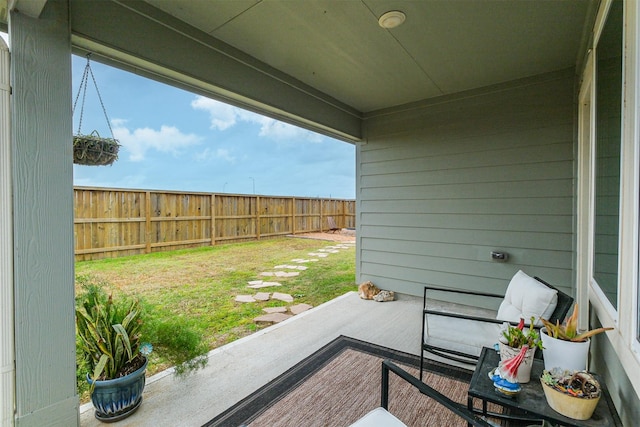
[(318, 254), (299, 308), (245, 298), (262, 296), (286, 273), (258, 284), (282, 297), (275, 309), (292, 267), (272, 318)]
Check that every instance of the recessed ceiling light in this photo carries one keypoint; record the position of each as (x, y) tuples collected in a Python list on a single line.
[(391, 19)]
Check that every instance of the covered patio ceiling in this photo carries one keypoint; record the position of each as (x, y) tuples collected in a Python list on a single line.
[(443, 47), (327, 64)]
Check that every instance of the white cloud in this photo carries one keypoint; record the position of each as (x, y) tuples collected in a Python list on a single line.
[(224, 116), (220, 153), (127, 181), (168, 139)]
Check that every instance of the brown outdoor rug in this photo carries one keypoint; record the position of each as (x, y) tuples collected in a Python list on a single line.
[(340, 383)]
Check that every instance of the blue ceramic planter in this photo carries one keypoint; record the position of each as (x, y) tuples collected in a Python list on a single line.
[(117, 399)]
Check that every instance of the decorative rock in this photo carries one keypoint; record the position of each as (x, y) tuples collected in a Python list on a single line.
[(299, 308), (255, 282), (262, 296), (383, 296), (282, 297), (267, 273), (275, 310), (272, 318), (245, 298)]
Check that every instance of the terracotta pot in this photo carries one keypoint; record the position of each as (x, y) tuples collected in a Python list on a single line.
[(524, 370)]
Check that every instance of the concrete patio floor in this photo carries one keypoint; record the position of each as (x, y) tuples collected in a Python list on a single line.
[(236, 370)]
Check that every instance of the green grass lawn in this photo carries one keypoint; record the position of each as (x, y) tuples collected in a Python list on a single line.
[(192, 291)]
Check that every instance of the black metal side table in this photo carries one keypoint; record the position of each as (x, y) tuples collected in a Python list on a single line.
[(530, 403)]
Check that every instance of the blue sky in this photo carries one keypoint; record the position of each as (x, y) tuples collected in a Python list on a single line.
[(175, 140)]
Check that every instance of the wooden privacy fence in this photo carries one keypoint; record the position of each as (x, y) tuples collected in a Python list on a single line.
[(117, 222)]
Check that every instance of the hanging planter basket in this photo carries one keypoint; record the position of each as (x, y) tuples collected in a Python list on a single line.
[(92, 149)]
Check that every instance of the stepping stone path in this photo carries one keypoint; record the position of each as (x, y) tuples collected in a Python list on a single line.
[(279, 314)]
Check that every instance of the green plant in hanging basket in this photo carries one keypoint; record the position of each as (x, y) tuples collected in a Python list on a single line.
[(93, 150)]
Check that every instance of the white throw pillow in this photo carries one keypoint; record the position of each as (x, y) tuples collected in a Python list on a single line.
[(526, 297)]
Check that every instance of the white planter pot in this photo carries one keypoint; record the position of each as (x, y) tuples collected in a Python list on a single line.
[(524, 370), (564, 354)]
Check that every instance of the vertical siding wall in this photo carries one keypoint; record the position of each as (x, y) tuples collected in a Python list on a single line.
[(115, 222), (42, 177), (443, 184)]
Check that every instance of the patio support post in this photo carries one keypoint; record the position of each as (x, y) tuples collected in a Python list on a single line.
[(7, 370), (42, 186)]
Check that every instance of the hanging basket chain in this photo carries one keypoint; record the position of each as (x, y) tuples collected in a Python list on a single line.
[(84, 83), (92, 149), (82, 89)]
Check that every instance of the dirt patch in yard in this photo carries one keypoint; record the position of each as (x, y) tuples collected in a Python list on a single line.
[(341, 236)]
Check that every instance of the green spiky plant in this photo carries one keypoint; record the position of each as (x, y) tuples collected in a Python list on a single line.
[(516, 337), (109, 332), (568, 331)]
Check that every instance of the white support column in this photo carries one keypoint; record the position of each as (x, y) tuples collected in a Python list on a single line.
[(42, 177), (7, 366)]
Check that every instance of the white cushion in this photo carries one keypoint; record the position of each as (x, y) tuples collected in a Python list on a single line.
[(379, 417), (526, 297)]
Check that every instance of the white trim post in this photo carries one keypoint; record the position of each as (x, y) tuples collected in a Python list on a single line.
[(7, 354)]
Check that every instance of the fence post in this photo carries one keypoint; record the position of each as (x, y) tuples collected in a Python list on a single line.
[(213, 219), (257, 217), (293, 215), (148, 221)]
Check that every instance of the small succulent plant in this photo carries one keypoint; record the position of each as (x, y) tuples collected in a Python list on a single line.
[(516, 336), (575, 383)]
